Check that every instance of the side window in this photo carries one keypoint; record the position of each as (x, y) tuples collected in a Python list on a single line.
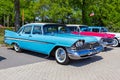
[(102, 30), (77, 29), (71, 28), (95, 30), (105, 30), (89, 29), (27, 29), (50, 29), (37, 30)]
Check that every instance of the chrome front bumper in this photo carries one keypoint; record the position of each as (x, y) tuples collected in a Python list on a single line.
[(84, 53)]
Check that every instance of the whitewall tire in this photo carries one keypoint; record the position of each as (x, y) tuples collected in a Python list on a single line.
[(61, 56), (16, 48), (115, 42)]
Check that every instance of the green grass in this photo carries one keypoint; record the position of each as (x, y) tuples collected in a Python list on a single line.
[(1, 40)]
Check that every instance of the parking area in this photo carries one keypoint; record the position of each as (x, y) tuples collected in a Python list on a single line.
[(10, 58), (103, 66)]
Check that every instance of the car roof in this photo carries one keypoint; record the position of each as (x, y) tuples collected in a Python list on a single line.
[(70, 25), (96, 27), (43, 24)]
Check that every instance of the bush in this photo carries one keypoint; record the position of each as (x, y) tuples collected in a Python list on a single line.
[(2, 29)]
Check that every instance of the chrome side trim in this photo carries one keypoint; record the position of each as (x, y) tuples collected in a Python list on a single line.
[(27, 40)]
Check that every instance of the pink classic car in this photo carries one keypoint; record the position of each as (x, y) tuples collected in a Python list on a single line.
[(101, 29), (104, 38)]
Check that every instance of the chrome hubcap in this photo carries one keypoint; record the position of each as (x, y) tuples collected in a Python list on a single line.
[(60, 55), (115, 42), (16, 47)]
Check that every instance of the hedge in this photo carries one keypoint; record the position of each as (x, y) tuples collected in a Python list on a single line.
[(2, 29)]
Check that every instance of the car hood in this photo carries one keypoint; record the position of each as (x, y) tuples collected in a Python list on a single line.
[(87, 39), (116, 34), (103, 35)]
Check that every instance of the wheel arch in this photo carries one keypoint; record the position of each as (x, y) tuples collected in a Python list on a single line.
[(56, 47), (118, 42)]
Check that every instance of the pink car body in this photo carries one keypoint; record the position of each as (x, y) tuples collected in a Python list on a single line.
[(102, 35), (107, 39)]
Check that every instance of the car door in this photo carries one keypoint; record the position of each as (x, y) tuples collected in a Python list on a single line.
[(42, 41), (39, 42), (35, 37), (24, 37)]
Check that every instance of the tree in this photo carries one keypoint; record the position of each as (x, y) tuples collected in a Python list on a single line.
[(6, 12), (17, 14), (64, 11)]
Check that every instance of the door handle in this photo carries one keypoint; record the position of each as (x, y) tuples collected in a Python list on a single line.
[(19, 34), (30, 36)]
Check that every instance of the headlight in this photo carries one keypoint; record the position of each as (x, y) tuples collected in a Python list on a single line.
[(79, 44), (73, 47)]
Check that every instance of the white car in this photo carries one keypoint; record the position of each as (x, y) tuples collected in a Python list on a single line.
[(116, 41), (117, 38)]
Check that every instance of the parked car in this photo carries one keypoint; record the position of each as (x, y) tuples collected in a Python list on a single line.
[(116, 41), (104, 38), (52, 39)]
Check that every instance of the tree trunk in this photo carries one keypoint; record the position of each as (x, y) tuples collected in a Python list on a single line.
[(17, 14), (85, 14), (83, 11)]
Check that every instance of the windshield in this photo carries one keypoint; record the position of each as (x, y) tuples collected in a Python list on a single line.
[(84, 28), (50, 29)]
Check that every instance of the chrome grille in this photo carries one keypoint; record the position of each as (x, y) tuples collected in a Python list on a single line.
[(88, 46), (108, 40)]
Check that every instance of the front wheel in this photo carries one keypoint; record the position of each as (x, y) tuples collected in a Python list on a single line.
[(61, 56), (115, 42), (16, 48)]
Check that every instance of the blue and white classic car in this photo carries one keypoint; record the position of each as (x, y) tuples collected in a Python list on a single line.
[(52, 39)]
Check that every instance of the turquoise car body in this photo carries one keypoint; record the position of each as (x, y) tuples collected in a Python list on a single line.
[(44, 42)]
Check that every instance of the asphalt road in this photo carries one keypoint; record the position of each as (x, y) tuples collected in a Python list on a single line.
[(103, 66), (10, 58)]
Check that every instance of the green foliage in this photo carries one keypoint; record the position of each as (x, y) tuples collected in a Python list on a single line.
[(1, 40), (6, 12), (2, 33), (5, 28), (64, 11)]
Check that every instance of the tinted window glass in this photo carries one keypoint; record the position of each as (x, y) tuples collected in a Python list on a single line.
[(72, 28), (95, 30), (83, 28), (48, 29), (27, 30), (37, 30), (104, 30)]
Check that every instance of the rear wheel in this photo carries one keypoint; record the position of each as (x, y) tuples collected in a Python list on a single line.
[(16, 48), (115, 43), (61, 56)]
